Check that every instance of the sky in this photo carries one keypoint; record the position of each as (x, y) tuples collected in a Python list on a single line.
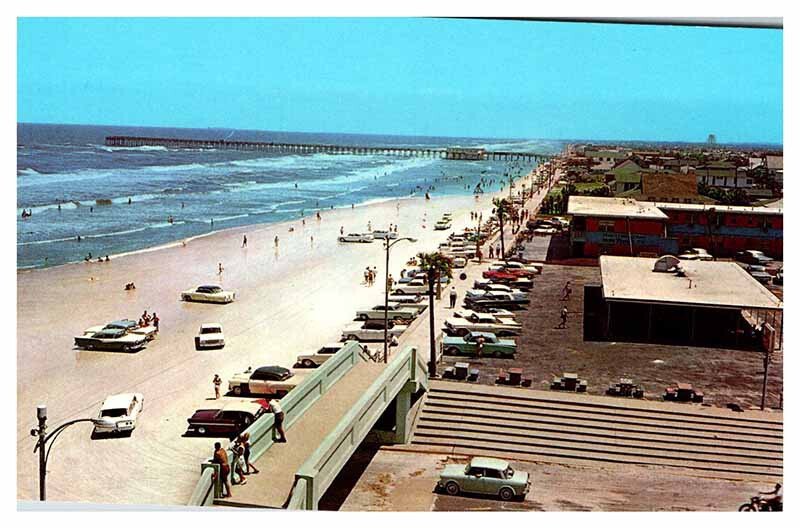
[(427, 77)]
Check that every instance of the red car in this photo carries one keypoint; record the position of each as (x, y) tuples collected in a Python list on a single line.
[(506, 275), (229, 420)]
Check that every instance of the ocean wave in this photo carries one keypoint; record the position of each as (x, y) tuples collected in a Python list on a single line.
[(28, 171), (101, 235), (144, 148)]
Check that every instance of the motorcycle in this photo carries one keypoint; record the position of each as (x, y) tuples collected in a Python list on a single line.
[(758, 503)]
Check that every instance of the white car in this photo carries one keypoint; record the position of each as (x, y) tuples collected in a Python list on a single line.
[(414, 286), (442, 225), (208, 293), (459, 262), (357, 237), (371, 330), (500, 313), (119, 413), (386, 235), (482, 322), (320, 356), (696, 254), (209, 336), (393, 311)]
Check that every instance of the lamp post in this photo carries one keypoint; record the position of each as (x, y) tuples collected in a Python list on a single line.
[(388, 246), (43, 438)]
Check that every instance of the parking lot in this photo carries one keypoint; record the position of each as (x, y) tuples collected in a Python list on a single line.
[(544, 351)]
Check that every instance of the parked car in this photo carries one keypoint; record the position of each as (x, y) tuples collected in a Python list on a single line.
[(523, 284), (271, 380), (778, 278), (114, 340), (442, 225), (209, 336), (468, 345), (503, 288), (535, 269), (383, 234), (696, 254), (395, 311), (485, 476), (459, 262), (208, 293), (130, 326), (759, 273), (507, 274), (750, 256), (229, 420), (409, 298), (495, 288), (119, 412), (415, 285), (495, 300), (481, 322), (357, 237), (319, 357), (371, 330), (500, 313)]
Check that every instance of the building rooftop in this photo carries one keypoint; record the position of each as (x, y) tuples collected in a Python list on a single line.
[(613, 208), (772, 209), (713, 284)]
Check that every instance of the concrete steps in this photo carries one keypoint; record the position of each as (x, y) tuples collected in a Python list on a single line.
[(529, 424)]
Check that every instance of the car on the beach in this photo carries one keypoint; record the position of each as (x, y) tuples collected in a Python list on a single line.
[(442, 225), (459, 262), (415, 285), (751, 256), (467, 345), (494, 300), (696, 254), (270, 380), (319, 357), (209, 293), (384, 234), (128, 325), (113, 339), (395, 311), (357, 237), (485, 476), (209, 336), (371, 330), (229, 420), (119, 413), (481, 322)]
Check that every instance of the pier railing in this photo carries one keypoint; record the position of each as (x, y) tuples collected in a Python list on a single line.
[(294, 405), (450, 153)]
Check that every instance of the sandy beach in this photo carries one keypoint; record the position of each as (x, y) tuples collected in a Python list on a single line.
[(290, 299)]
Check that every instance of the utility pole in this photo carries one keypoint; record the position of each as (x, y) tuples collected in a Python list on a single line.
[(432, 363), (41, 414)]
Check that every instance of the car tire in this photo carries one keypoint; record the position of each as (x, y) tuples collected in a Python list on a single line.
[(307, 363), (201, 430), (400, 292), (452, 488), (238, 390), (452, 351), (352, 337), (362, 317), (506, 494)]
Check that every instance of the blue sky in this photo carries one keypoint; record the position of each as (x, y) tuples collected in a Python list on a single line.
[(406, 76)]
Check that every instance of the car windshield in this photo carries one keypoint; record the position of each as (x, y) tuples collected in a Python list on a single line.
[(209, 289), (210, 330), (113, 413)]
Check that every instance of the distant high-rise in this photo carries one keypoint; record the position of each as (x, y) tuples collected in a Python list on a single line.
[(712, 139)]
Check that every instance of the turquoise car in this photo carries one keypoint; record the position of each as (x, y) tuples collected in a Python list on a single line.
[(468, 345), (485, 476)]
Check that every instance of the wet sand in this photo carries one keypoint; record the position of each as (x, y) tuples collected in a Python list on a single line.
[(290, 299)]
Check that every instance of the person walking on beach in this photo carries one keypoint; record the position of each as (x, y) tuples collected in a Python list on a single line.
[(453, 297), (389, 282), (366, 276), (341, 230), (248, 466), (217, 384), (563, 323), (220, 269), (221, 458), (276, 240), (244, 241), (277, 410), (156, 321)]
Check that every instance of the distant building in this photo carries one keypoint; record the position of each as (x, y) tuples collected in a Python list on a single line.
[(712, 139), (723, 175)]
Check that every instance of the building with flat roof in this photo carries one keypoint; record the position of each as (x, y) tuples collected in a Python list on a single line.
[(628, 227), (706, 303)]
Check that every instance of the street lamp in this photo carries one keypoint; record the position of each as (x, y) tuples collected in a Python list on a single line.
[(388, 246), (44, 438)]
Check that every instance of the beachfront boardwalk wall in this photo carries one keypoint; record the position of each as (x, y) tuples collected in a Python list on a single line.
[(403, 377)]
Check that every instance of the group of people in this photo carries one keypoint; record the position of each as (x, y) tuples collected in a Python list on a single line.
[(240, 464), (26, 213), (369, 275), (147, 319), (88, 258)]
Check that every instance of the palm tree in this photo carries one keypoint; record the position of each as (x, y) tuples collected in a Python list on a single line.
[(503, 209), (437, 266)]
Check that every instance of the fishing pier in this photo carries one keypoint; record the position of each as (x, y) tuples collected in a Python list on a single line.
[(450, 153)]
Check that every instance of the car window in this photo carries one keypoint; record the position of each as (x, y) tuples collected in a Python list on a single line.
[(493, 473), (113, 413), (228, 416), (475, 471)]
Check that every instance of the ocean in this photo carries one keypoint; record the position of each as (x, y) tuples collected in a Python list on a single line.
[(119, 200)]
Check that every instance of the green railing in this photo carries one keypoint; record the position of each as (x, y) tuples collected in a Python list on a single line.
[(294, 405), (405, 375)]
